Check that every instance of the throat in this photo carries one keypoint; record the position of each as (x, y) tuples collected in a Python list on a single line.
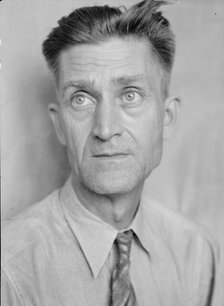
[(116, 210), (121, 213)]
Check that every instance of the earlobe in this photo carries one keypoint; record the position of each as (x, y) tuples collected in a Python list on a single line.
[(172, 106), (53, 110)]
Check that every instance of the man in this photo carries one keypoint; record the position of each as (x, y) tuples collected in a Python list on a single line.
[(97, 241)]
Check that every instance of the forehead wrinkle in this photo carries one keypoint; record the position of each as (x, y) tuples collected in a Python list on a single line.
[(96, 60), (85, 64)]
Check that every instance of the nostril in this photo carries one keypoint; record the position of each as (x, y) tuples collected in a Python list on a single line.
[(106, 132), (103, 132)]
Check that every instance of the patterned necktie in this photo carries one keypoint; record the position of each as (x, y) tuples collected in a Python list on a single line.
[(122, 290)]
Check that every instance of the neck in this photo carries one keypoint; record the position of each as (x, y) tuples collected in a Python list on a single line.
[(116, 209)]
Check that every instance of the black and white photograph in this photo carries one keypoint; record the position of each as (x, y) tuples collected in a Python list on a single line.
[(112, 152)]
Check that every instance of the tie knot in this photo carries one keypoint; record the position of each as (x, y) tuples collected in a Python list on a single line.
[(123, 242)]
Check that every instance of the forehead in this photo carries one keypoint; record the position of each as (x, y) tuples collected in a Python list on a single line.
[(108, 61)]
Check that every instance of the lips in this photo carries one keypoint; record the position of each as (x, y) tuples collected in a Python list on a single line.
[(110, 154)]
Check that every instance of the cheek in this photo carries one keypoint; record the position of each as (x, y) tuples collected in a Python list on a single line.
[(146, 128), (76, 132)]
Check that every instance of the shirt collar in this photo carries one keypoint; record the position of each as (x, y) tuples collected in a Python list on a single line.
[(95, 236), (139, 227)]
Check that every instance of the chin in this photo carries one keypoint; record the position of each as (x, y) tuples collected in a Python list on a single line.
[(112, 183)]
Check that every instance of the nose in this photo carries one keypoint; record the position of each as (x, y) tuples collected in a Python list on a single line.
[(107, 122)]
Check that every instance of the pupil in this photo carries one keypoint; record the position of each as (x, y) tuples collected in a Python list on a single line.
[(80, 99), (130, 96)]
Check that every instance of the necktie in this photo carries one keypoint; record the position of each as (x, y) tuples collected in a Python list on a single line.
[(122, 290)]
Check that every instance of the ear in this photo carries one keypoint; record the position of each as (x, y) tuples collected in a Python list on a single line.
[(53, 110), (172, 106)]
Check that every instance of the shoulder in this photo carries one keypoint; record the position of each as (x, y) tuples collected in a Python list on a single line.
[(29, 228), (36, 246), (191, 247), (183, 235)]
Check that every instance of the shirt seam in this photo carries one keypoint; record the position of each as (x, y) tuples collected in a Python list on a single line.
[(13, 284)]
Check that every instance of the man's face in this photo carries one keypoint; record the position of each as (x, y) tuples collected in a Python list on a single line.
[(110, 114)]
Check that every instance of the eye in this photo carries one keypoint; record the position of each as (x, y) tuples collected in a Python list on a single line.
[(80, 100), (131, 97)]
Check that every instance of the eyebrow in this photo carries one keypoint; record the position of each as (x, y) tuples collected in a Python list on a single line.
[(122, 80), (128, 79), (79, 84)]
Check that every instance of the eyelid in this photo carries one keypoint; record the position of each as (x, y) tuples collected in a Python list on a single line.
[(133, 89), (82, 93), (91, 93)]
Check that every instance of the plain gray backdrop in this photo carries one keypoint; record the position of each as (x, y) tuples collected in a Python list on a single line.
[(190, 178)]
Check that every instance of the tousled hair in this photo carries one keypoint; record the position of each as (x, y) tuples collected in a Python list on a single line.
[(95, 24)]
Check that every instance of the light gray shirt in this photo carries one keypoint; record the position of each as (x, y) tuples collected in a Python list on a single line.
[(58, 253)]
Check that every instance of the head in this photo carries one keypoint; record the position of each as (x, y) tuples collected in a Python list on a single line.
[(112, 71)]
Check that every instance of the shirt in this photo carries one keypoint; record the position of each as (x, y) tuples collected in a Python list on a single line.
[(58, 253)]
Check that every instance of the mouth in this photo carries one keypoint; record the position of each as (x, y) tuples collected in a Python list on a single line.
[(114, 155)]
